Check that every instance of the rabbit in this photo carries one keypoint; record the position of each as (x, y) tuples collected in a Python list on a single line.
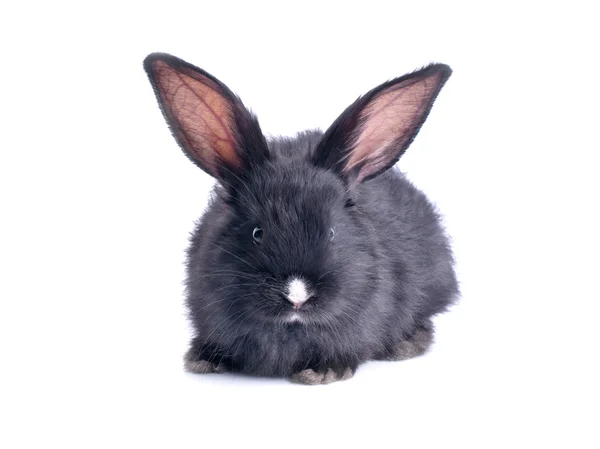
[(315, 254)]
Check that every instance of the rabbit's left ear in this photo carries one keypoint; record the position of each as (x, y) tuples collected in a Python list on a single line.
[(371, 135), (209, 122)]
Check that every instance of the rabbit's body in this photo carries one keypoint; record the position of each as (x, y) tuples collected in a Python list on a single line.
[(313, 255), (408, 268)]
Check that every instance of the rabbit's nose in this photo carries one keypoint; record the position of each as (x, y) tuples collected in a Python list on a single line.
[(297, 292)]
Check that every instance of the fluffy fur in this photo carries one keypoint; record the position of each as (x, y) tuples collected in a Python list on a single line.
[(375, 282)]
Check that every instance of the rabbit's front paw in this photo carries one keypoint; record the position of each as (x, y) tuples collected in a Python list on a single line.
[(312, 377)]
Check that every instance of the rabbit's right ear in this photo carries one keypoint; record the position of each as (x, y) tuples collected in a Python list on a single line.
[(209, 122), (371, 135)]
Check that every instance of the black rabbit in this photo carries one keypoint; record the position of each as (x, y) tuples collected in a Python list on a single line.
[(314, 254)]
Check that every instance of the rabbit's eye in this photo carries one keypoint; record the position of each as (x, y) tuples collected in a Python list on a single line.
[(257, 234), (331, 234)]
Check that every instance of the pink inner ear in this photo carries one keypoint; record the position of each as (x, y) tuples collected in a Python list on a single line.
[(389, 122), (201, 117)]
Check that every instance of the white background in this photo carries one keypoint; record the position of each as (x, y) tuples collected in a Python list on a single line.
[(97, 202)]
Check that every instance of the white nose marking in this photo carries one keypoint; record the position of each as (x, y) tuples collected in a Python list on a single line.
[(297, 292)]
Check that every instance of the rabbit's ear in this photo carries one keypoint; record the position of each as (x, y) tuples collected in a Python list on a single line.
[(209, 122), (371, 135)]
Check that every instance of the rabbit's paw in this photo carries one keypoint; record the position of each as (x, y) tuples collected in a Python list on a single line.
[(200, 366), (312, 377), (417, 345)]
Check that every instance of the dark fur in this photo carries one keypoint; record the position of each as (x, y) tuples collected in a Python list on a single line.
[(388, 270), (393, 267)]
